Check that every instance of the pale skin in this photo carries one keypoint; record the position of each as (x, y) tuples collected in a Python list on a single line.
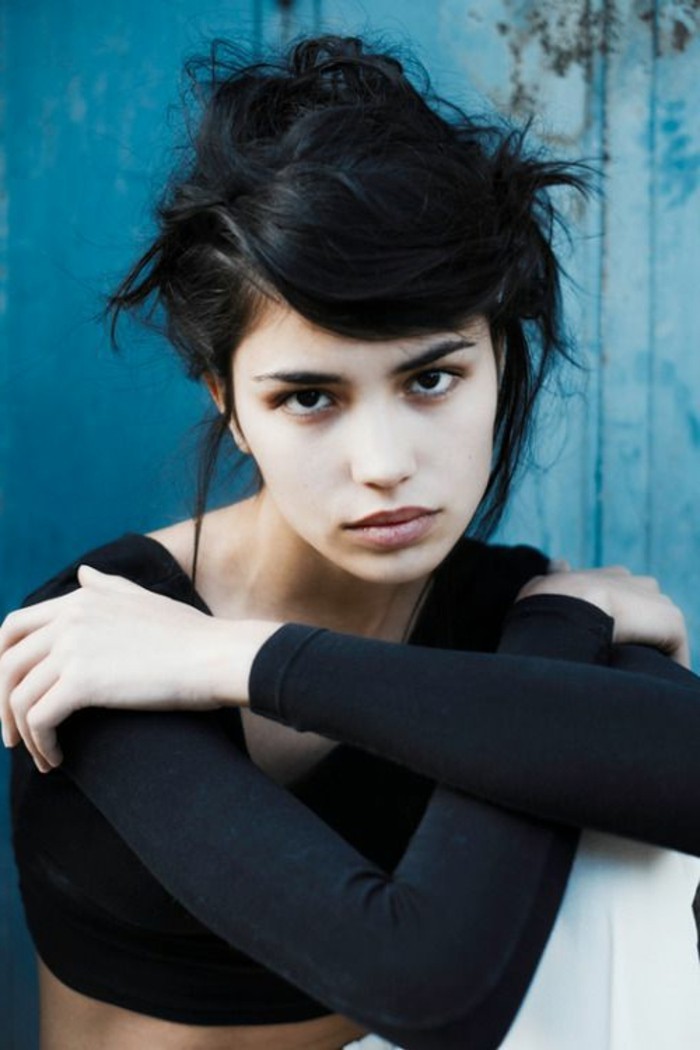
[(376, 430)]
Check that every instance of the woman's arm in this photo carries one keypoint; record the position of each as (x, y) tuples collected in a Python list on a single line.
[(591, 747), (609, 748), (434, 955)]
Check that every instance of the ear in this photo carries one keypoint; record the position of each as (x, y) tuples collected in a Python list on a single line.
[(215, 387), (499, 351)]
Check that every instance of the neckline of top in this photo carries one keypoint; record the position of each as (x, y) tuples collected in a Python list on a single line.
[(176, 569)]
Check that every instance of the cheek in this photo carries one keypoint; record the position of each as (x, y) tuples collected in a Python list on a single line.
[(471, 431), (293, 465)]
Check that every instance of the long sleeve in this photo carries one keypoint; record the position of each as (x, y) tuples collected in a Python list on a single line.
[(436, 955), (608, 747)]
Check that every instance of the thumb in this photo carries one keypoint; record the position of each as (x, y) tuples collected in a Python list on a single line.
[(88, 576)]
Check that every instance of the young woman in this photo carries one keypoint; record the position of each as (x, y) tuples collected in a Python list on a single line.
[(368, 819)]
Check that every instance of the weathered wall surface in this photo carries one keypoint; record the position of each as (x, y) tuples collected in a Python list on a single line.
[(91, 446)]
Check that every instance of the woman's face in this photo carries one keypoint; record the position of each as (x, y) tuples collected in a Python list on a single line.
[(343, 430)]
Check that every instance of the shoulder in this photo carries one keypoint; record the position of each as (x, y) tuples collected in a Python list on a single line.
[(498, 566), (479, 582), (137, 557)]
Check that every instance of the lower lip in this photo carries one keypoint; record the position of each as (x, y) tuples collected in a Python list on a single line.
[(401, 534)]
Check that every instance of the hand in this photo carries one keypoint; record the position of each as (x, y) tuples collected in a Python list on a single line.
[(642, 614), (112, 643)]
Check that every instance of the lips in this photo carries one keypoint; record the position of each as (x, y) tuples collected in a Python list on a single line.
[(391, 530), (390, 517)]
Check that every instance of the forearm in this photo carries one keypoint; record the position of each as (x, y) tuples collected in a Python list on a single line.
[(470, 904), (592, 746)]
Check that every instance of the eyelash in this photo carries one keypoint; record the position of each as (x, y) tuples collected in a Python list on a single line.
[(426, 395)]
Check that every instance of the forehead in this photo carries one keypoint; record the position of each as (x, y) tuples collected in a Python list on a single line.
[(283, 336)]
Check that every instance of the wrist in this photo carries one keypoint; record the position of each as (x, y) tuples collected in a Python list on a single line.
[(235, 644)]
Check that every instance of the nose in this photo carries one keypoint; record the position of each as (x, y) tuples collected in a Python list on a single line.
[(382, 452)]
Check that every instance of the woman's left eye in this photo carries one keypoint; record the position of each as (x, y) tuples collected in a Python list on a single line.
[(433, 383)]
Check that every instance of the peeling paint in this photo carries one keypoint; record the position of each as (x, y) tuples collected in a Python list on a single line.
[(678, 26), (567, 34), (565, 39)]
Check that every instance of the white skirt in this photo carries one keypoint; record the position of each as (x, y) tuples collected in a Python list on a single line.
[(371, 1042), (620, 970)]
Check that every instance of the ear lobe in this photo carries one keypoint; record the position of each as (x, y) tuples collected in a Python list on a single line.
[(241, 443), (215, 388), (499, 351)]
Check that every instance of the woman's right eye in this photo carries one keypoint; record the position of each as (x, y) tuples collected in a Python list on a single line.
[(306, 402)]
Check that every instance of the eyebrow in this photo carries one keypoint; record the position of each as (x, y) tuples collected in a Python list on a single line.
[(427, 357)]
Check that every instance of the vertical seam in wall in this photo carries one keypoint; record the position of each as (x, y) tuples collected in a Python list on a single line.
[(4, 288), (651, 292), (599, 479)]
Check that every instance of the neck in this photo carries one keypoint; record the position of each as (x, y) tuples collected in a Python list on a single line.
[(276, 576)]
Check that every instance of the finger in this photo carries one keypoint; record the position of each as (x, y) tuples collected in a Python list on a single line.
[(88, 576), (558, 565), (33, 688), (615, 570), (42, 720), (682, 655), (21, 622), (15, 663)]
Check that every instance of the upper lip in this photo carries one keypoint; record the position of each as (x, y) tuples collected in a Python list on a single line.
[(391, 517)]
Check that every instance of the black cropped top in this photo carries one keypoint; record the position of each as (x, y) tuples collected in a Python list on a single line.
[(161, 870)]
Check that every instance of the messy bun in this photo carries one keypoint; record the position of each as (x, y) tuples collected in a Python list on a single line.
[(332, 179)]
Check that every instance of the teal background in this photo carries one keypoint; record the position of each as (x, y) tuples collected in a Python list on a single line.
[(92, 445)]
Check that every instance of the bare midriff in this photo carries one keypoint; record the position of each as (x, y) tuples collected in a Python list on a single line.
[(72, 1021)]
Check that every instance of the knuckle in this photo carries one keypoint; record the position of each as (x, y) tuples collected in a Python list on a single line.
[(41, 721), (9, 622), (8, 664), (71, 676), (34, 719), (15, 703)]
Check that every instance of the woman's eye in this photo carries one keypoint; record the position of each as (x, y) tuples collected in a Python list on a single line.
[(433, 383), (306, 402)]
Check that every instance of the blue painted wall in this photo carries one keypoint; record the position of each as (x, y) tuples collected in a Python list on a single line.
[(92, 445)]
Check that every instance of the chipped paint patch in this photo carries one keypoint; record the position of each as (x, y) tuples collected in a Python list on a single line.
[(558, 39), (566, 34), (678, 25)]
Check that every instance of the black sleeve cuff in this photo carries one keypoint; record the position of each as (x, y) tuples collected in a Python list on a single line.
[(271, 666)]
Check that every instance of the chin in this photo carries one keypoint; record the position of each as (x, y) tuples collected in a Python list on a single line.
[(397, 566)]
